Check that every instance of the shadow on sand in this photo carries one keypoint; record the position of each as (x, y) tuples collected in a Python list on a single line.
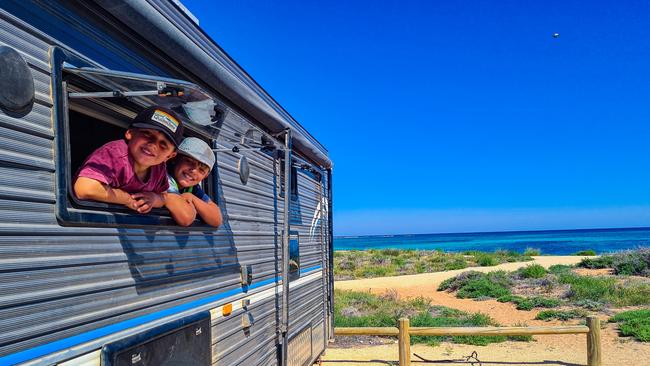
[(457, 362)]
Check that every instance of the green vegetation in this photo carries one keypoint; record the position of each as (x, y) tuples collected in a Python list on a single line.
[(635, 323), (587, 292), (475, 284), (498, 284), (532, 271), (533, 252), (627, 263), (587, 252), (604, 261), (363, 309), (606, 290), (486, 260), (393, 262), (560, 314), (528, 303), (558, 269)]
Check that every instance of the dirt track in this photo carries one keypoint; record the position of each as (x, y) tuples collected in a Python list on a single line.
[(544, 350)]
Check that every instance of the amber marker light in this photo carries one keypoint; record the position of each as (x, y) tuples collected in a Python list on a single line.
[(226, 310)]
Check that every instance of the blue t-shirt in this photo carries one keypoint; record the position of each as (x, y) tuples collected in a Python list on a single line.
[(195, 190)]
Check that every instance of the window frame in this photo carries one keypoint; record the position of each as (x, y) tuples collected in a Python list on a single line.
[(70, 211)]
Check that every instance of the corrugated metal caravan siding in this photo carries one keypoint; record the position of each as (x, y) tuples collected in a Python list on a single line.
[(306, 300), (58, 282), (56, 286)]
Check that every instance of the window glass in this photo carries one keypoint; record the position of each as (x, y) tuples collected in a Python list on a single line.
[(196, 107), (294, 256)]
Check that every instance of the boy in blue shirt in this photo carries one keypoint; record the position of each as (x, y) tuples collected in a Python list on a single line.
[(185, 198)]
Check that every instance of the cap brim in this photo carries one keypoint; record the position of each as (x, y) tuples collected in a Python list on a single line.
[(181, 152), (157, 128)]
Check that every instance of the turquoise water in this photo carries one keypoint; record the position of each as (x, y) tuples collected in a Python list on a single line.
[(549, 242)]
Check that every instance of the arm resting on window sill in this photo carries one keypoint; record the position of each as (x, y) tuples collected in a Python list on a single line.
[(91, 189), (182, 211), (209, 211)]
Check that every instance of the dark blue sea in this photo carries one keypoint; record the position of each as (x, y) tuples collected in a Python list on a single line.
[(548, 242)]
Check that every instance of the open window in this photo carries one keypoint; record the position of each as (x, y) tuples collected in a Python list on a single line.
[(95, 106)]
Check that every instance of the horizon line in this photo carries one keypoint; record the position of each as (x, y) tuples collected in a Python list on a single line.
[(498, 232)]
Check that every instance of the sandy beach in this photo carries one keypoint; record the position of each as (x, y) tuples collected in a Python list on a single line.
[(546, 350)]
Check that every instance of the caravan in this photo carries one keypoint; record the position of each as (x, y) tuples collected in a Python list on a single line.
[(89, 283)]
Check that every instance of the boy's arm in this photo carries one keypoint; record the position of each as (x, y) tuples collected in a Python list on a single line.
[(182, 211), (209, 211), (91, 189)]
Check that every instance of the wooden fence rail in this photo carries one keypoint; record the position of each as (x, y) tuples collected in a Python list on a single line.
[(404, 331)]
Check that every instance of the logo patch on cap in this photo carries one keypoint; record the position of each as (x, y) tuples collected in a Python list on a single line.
[(165, 119)]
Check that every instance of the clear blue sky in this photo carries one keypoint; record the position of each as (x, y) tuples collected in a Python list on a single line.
[(454, 116)]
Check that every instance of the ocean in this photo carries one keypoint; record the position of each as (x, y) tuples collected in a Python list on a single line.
[(561, 242)]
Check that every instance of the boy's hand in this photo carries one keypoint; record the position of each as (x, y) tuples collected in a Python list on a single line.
[(145, 201), (132, 203), (189, 197)]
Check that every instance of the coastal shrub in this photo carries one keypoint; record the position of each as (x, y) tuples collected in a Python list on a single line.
[(605, 261), (481, 287), (558, 269), (589, 304), (390, 252), (499, 278), (632, 263), (456, 263), (374, 271), (510, 256), (532, 252), (629, 315), (529, 303), (509, 298), (607, 290), (627, 263), (631, 293), (420, 267), (363, 309), (398, 262), (456, 282), (588, 288), (588, 252), (532, 271), (486, 260), (354, 264), (634, 323), (563, 315), (476, 284)]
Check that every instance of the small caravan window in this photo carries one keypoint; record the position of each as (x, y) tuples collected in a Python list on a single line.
[(94, 107), (294, 255), (293, 183)]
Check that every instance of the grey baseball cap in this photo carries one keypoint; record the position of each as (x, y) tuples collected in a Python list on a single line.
[(197, 149)]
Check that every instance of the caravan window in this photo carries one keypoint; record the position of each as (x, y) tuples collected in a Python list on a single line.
[(294, 255), (95, 107)]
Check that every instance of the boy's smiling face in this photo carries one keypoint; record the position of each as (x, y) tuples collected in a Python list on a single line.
[(189, 172), (149, 147)]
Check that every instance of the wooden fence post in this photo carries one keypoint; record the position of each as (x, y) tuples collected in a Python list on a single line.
[(594, 352), (404, 343)]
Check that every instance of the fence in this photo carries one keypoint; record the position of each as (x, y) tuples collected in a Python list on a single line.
[(404, 333)]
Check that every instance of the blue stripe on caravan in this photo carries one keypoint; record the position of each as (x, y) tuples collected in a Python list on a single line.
[(32, 353), (303, 271)]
